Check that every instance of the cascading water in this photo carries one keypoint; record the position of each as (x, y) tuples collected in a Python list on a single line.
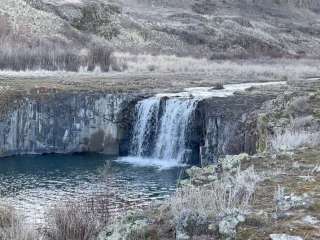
[(145, 126), (161, 128), (172, 136)]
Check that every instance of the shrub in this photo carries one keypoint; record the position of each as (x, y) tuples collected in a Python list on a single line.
[(78, 221)]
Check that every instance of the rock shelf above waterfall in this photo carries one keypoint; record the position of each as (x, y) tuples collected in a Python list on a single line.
[(210, 92)]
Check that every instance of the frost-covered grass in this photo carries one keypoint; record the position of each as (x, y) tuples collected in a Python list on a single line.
[(283, 69), (292, 139), (227, 196)]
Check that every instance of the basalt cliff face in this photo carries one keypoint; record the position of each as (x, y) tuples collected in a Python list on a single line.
[(66, 123), (120, 124)]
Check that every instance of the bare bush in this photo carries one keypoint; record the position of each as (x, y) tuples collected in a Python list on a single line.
[(78, 220), (20, 54), (227, 196)]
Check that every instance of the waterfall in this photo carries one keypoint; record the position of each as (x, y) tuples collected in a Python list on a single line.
[(146, 123), (161, 128), (172, 137)]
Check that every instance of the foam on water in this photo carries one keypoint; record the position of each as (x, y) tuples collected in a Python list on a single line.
[(161, 164)]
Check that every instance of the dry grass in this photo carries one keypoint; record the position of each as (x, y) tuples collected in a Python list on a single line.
[(263, 70), (20, 54), (78, 221), (4, 25), (292, 139), (300, 105), (13, 227), (229, 195)]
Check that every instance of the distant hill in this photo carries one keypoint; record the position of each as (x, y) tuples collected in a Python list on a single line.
[(68, 34)]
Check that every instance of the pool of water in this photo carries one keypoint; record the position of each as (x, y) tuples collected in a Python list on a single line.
[(35, 183)]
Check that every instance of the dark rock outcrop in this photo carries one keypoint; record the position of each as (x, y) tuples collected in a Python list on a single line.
[(225, 126)]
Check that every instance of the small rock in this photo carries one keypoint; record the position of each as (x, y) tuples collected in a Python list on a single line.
[(212, 178), (182, 236), (293, 201), (193, 171), (201, 176), (230, 162), (213, 227), (284, 237), (310, 220), (257, 219), (296, 165), (228, 226), (185, 182)]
